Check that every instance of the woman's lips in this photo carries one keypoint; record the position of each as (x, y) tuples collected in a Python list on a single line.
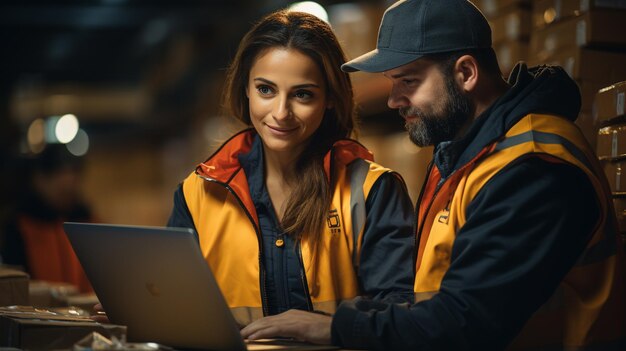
[(281, 130)]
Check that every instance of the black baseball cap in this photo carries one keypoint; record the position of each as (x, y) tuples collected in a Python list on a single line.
[(411, 29)]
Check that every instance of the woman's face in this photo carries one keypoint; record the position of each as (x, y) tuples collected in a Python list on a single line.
[(287, 97)]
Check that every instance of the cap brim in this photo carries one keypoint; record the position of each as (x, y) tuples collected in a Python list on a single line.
[(379, 61)]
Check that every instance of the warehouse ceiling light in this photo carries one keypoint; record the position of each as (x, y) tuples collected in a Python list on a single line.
[(80, 145), (310, 7), (66, 128), (36, 136)]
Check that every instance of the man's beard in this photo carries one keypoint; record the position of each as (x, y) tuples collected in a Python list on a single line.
[(431, 128)]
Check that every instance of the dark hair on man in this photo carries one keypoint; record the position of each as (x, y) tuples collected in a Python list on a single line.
[(486, 58)]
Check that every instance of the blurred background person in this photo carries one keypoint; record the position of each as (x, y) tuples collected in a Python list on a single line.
[(33, 238)]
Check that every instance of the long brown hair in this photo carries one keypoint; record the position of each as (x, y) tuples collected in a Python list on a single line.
[(308, 204)]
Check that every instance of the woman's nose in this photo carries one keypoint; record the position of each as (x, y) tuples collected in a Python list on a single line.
[(281, 109)]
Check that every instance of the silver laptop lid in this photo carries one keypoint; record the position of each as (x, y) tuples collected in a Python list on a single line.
[(155, 281)]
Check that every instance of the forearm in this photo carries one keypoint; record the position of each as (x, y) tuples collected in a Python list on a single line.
[(386, 261), (368, 324)]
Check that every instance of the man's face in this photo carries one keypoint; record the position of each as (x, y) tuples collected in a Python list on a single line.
[(433, 106)]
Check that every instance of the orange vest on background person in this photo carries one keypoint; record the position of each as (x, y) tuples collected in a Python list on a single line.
[(588, 309), (49, 253), (219, 201)]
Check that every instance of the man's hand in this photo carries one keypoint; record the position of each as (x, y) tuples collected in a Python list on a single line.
[(300, 325)]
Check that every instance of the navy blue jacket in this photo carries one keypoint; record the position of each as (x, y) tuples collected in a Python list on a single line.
[(549, 211)]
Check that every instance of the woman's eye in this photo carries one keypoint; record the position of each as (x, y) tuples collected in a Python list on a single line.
[(303, 94), (264, 90)]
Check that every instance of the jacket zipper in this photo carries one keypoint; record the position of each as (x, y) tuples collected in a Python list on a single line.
[(418, 235), (432, 200), (437, 188), (262, 275), (305, 284)]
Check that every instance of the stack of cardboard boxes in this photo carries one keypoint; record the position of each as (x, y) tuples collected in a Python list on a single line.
[(585, 37), (609, 112), (13, 287), (510, 21), (26, 327)]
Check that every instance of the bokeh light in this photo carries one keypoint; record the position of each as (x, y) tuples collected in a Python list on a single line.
[(80, 144), (66, 128), (310, 7), (36, 136)]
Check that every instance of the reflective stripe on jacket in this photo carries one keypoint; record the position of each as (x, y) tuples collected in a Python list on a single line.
[(587, 309), (217, 196)]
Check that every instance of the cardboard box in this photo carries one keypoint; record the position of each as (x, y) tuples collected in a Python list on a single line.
[(50, 294), (494, 8), (609, 102), (30, 328), (612, 142), (84, 301), (356, 26), (614, 174), (13, 287), (514, 25), (588, 127), (620, 211), (587, 121), (509, 53), (546, 12), (600, 67), (588, 91), (600, 29)]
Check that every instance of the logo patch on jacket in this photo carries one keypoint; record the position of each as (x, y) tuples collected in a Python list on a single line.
[(334, 224), (444, 216)]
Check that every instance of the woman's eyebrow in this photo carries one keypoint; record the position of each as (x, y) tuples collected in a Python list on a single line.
[(266, 81), (306, 85), (299, 86)]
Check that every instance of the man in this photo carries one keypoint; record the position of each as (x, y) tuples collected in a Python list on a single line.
[(518, 246)]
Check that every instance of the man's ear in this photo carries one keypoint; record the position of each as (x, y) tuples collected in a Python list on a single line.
[(466, 73)]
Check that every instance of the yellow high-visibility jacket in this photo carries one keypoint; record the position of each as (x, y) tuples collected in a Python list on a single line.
[(587, 308), (218, 199), (517, 239)]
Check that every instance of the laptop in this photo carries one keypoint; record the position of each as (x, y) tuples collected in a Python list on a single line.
[(155, 281)]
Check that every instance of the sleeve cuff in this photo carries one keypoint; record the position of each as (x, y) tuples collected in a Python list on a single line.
[(342, 325)]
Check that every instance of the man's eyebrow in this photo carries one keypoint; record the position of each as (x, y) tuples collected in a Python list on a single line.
[(399, 74)]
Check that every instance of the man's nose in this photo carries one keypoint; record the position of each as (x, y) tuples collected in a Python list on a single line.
[(396, 98)]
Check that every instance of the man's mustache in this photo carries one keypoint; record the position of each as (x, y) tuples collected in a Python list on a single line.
[(409, 111)]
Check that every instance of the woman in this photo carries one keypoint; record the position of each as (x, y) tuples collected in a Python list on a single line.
[(290, 213)]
